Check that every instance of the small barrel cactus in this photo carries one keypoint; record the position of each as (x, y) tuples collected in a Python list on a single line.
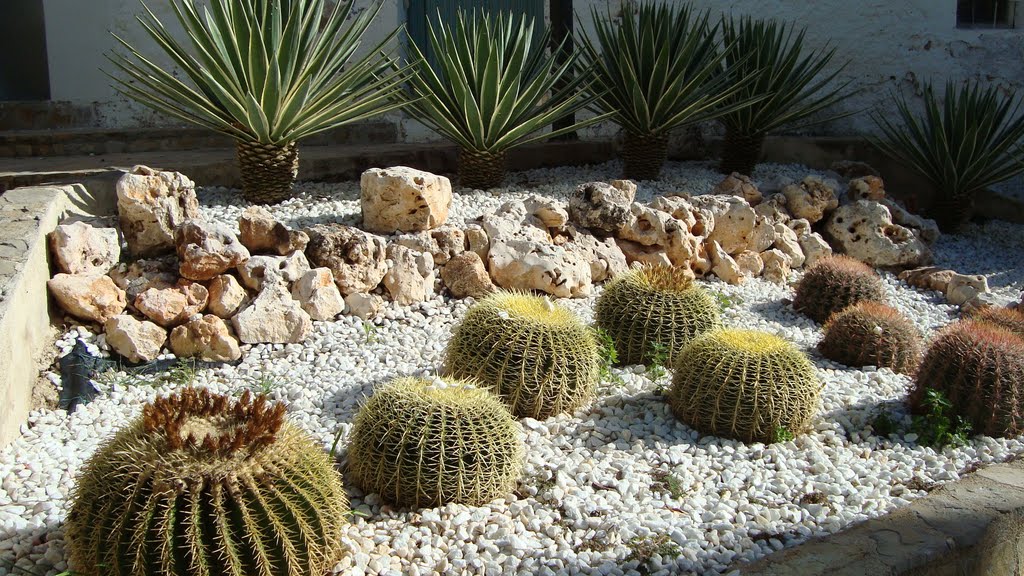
[(1009, 318), (654, 307), (979, 368), (203, 484), (419, 444), (536, 355), (869, 333), (834, 283), (746, 385)]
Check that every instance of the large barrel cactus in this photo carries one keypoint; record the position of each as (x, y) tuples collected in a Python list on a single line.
[(869, 333), (419, 444), (536, 355), (654, 307), (203, 484), (1008, 318), (835, 283), (979, 368), (745, 385)]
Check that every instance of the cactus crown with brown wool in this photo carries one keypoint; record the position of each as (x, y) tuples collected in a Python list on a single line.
[(419, 444), (654, 307), (979, 368), (834, 283), (206, 485), (872, 334), (1008, 318), (534, 354), (744, 384)]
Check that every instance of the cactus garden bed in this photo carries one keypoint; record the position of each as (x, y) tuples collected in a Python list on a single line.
[(618, 486)]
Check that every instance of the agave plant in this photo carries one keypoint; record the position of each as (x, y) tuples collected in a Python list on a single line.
[(966, 143), (494, 87), (654, 71), (782, 82), (266, 73)]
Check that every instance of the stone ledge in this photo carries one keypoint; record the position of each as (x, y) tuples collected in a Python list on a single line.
[(933, 536)]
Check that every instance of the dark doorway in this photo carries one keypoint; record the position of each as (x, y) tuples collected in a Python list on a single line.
[(24, 74)]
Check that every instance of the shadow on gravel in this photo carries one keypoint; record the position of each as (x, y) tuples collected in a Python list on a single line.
[(42, 539)]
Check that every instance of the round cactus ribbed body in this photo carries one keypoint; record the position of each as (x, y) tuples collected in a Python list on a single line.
[(203, 484), (651, 307), (537, 356), (420, 445), (835, 283), (979, 368), (745, 385), (1007, 318), (872, 334)]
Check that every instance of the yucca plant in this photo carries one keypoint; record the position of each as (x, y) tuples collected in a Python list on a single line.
[(962, 145), (767, 59), (264, 72), (494, 87), (655, 70)]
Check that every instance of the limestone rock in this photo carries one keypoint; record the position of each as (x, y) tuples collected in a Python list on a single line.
[(549, 213), (777, 266), (226, 296), (410, 276), (750, 263), (206, 337), (983, 300), (477, 240), (151, 204), (606, 258), (258, 269), (358, 260), (362, 305), (261, 234), (811, 199), (723, 265), (136, 340), (636, 252), (774, 209), (512, 221), (529, 265), (698, 221), (924, 228), (92, 297), (864, 230), (964, 287), (601, 206), (762, 237), (737, 184), (442, 244), (402, 199), (206, 249), (465, 275), (273, 317), (928, 278), (788, 243), (83, 249), (652, 227), (318, 294), (866, 188), (734, 221), (814, 248), (173, 305), (141, 275)]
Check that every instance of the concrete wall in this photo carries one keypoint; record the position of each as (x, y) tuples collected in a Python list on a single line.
[(890, 45)]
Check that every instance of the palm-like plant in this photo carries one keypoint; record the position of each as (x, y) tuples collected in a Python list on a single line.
[(494, 87), (655, 70), (264, 72), (768, 60), (966, 143)]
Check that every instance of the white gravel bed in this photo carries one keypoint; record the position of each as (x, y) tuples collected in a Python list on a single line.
[(598, 484)]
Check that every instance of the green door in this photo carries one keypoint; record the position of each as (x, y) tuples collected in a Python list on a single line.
[(421, 10)]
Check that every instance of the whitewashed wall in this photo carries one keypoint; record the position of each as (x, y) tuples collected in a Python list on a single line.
[(891, 44)]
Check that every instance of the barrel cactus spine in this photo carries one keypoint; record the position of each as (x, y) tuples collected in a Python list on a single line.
[(869, 333), (834, 283)]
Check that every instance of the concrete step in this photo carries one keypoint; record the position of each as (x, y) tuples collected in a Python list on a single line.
[(100, 141)]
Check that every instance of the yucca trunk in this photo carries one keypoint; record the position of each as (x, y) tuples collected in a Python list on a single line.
[(952, 211), (643, 155), (481, 169), (268, 171), (740, 152)]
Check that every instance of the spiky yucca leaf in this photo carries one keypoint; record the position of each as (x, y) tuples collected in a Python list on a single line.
[(495, 86), (967, 142), (267, 71)]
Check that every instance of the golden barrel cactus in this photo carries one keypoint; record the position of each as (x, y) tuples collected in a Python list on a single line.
[(834, 283)]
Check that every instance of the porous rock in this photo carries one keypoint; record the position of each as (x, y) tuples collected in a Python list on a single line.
[(357, 259), (172, 305), (206, 337), (811, 199), (737, 184), (734, 221), (206, 249), (79, 248), (924, 228), (92, 297), (151, 204), (928, 278), (866, 188), (364, 305), (465, 275), (136, 340), (318, 295), (749, 263), (602, 206), (410, 275), (258, 269), (652, 227), (777, 266), (788, 243), (636, 252), (402, 199), (226, 296), (260, 233), (605, 257), (964, 287), (530, 265), (864, 230), (723, 265), (273, 317)]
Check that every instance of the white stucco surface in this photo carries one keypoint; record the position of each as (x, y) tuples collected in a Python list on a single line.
[(890, 45)]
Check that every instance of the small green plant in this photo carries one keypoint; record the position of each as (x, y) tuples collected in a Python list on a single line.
[(781, 434), (262, 384), (180, 375), (609, 356), (725, 301), (369, 332), (657, 358), (668, 483), (644, 548), (938, 426)]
